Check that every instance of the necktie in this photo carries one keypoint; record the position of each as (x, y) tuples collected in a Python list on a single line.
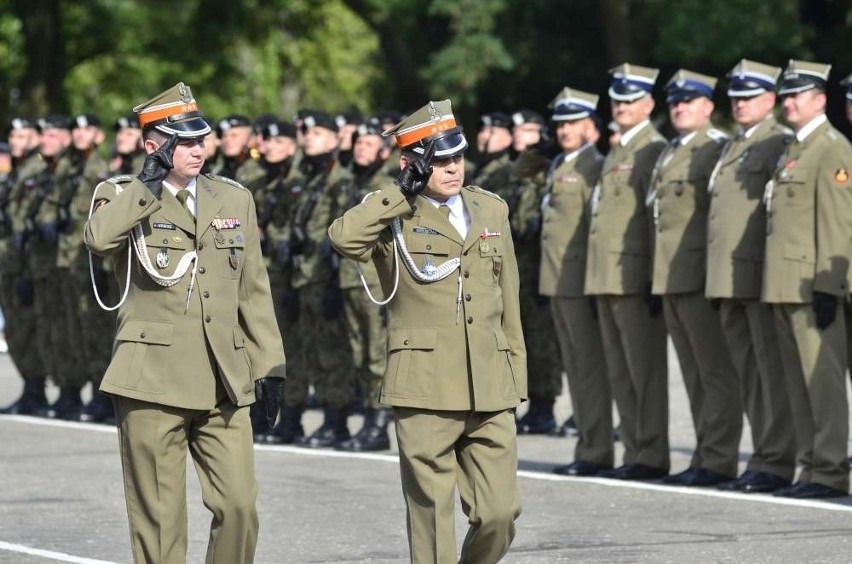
[(183, 196), (445, 211)]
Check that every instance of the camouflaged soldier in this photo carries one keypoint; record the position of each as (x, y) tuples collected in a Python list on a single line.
[(387, 119), (679, 201), (347, 124), (240, 161), (16, 290), (528, 181), (129, 154), (364, 319), (736, 238), (88, 330), (494, 142), (321, 355), (564, 237), (805, 278), (618, 272)]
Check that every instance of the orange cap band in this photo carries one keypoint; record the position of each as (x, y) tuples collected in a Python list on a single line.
[(427, 130), (147, 117)]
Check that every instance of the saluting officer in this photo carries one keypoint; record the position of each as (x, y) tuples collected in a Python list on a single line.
[(564, 238), (456, 360), (618, 272), (679, 202), (197, 339), (493, 143), (805, 277), (736, 238)]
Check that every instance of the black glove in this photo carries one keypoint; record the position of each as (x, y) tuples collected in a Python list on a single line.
[(26, 291), (157, 166), (414, 177), (291, 306), (825, 308), (332, 301), (267, 392), (655, 303)]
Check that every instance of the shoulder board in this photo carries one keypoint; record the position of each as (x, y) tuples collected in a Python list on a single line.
[(717, 135), (121, 179), (226, 180), (479, 190), (368, 194), (786, 130), (655, 136), (831, 134)]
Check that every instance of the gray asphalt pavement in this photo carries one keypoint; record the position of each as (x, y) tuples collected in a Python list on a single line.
[(61, 500)]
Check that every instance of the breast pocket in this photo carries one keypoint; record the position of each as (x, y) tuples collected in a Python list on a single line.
[(491, 256), (165, 249), (428, 250), (230, 251), (792, 187)]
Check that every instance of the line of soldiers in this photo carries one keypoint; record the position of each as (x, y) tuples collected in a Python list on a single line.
[(660, 238)]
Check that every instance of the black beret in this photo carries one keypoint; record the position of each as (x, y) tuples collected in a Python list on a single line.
[(54, 121)]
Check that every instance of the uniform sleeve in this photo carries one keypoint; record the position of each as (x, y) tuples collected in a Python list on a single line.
[(358, 234), (116, 214), (834, 220), (256, 312), (509, 286)]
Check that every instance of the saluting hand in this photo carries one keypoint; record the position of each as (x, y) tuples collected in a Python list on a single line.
[(157, 166), (414, 177)]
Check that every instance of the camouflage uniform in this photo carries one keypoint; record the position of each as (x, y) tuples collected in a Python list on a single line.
[(494, 174)]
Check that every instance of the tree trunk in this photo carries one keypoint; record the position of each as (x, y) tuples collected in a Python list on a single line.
[(41, 87), (615, 15)]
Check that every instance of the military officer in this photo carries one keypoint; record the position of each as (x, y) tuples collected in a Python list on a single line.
[(618, 272), (197, 339), (456, 358), (564, 238), (493, 142), (679, 201), (736, 236), (805, 278), (239, 161), (16, 291), (129, 154)]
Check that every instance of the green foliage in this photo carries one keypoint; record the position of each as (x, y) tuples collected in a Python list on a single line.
[(12, 63)]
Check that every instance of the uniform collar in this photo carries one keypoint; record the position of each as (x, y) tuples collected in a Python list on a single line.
[(191, 201), (684, 140), (568, 157), (631, 133), (809, 128)]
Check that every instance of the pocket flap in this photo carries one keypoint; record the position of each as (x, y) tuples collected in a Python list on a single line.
[(797, 175), (151, 332), (167, 239), (799, 253), (421, 338), (502, 342), (230, 239), (432, 244)]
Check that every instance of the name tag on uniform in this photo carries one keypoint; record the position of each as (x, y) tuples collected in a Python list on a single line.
[(158, 225), (425, 231)]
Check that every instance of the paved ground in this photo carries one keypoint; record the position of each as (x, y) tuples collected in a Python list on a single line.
[(61, 500)]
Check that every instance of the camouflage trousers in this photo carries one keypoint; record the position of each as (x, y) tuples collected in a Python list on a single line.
[(368, 335), (62, 364), (320, 354), (20, 329), (90, 330)]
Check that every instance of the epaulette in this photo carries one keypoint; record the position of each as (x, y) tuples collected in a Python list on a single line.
[(655, 136), (120, 179), (480, 190), (831, 134), (225, 179), (786, 130), (717, 135)]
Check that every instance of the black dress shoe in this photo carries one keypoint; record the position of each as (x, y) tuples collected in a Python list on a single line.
[(764, 482), (810, 491), (787, 490), (612, 472), (640, 472), (703, 477), (738, 484), (679, 478), (373, 436), (581, 468)]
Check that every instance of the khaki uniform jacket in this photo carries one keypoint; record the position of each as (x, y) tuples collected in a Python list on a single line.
[(619, 255), (163, 354), (809, 225), (565, 227), (441, 357), (736, 229), (679, 203), (349, 277)]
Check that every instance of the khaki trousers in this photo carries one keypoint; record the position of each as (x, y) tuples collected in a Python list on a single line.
[(578, 330), (749, 328), (815, 366), (710, 379), (154, 440), (634, 343), (474, 451)]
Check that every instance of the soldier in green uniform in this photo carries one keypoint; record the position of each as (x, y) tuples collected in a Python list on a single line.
[(240, 161), (805, 278), (528, 181), (16, 290), (387, 119), (197, 339), (364, 319), (736, 237), (564, 237), (679, 201), (321, 354), (129, 154), (493, 142), (212, 149), (618, 272), (456, 357), (347, 125), (87, 330)]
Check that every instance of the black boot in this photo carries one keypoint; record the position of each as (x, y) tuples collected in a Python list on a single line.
[(32, 400), (259, 422), (539, 418), (69, 406), (373, 435), (99, 410), (332, 431), (288, 428)]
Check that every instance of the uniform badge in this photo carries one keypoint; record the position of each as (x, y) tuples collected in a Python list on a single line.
[(233, 260), (488, 234), (177, 239), (498, 268), (841, 176), (429, 268), (425, 231), (484, 247), (160, 225), (163, 258), (221, 223), (219, 238)]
